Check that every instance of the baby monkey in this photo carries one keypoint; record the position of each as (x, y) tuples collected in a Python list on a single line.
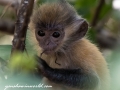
[(66, 59)]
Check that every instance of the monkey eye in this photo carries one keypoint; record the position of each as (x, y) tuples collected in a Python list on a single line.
[(56, 34), (41, 33)]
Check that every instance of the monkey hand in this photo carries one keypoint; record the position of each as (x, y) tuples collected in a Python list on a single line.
[(76, 78), (42, 65)]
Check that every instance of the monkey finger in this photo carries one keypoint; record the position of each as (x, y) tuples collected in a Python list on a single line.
[(41, 63)]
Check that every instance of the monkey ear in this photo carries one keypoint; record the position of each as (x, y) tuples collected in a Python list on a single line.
[(81, 28)]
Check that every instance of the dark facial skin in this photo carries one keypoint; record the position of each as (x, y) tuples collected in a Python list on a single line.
[(49, 38)]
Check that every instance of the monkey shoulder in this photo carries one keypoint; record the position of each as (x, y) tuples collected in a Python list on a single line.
[(87, 54)]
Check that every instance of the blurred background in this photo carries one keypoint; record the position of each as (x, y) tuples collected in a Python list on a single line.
[(104, 29)]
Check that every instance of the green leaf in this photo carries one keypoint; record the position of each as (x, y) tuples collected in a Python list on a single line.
[(92, 35), (106, 9), (85, 8), (5, 51), (22, 61)]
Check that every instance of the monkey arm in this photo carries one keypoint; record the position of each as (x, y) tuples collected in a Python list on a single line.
[(76, 78)]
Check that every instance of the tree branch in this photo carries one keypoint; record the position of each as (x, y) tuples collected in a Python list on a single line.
[(21, 25), (97, 12)]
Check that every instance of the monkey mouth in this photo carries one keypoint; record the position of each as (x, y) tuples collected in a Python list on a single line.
[(48, 52)]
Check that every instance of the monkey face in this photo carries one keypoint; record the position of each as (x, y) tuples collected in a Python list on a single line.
[(49, 40)]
